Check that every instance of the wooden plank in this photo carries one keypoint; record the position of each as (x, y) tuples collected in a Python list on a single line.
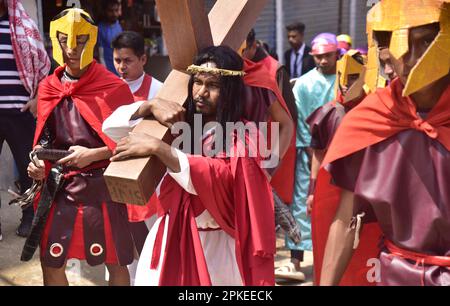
[(186, 29), (230, 24), (133, 181)]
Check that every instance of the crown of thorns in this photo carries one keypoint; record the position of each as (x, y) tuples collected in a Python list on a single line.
[(193, 69)]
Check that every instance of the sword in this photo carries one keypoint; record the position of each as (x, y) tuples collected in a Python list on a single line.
[(52, 185)]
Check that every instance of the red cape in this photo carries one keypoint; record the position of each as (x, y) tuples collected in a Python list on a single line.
[(258, 75), (246, 214), (96, 96), (378, 117)]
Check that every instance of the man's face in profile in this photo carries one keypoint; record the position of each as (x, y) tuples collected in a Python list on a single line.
[(386, 65)]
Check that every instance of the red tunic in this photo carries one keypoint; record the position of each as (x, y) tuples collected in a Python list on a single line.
[(236, 193), (142, 93), (381, 118), (89, 225)]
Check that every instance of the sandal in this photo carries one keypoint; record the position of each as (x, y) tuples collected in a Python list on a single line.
[(289, 272)]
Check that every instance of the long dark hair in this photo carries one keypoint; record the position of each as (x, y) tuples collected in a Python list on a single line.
[(230, 106)]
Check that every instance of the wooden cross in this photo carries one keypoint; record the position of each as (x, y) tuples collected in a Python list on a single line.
[(187, 29)]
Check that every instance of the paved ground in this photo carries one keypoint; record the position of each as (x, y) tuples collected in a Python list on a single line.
[(13, 272), (283, 257)]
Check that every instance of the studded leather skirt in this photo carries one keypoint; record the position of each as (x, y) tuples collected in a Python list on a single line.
[(84, 223)]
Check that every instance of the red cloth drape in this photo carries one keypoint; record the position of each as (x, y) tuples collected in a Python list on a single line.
[(263, 74), (380, 116)]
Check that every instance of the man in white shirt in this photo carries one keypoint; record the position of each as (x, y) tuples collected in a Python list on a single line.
[(129, 60)]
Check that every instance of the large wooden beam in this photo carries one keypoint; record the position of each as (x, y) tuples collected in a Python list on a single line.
[(186, 29), (241, 16), (133, 181)]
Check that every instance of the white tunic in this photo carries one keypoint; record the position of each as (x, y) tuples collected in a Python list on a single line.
[(118, 125)]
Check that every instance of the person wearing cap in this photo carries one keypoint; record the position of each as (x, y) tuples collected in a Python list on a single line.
[(324, 121), (311, 91), (395, 170), (345, 42)]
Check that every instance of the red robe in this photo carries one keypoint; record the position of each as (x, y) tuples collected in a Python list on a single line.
[(259, 75), (378, 117), (237, 194), (96, 95), (142, 93)]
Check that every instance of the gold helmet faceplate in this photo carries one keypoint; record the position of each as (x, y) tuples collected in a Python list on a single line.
[(74, 22), (398, 17)]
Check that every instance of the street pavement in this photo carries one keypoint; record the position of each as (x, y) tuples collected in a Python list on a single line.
[(13, 272)]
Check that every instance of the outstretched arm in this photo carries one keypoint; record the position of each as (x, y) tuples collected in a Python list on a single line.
[(339, 247)]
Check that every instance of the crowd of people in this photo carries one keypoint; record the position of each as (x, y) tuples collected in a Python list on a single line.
[(361, 139)]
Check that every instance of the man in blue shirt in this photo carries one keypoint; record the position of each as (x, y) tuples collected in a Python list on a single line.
[(108, 29)]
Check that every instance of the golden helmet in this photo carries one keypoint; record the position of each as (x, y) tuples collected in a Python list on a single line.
[(348, 65), (373, 77), (74, 22), (344, 41), (398, 17)]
